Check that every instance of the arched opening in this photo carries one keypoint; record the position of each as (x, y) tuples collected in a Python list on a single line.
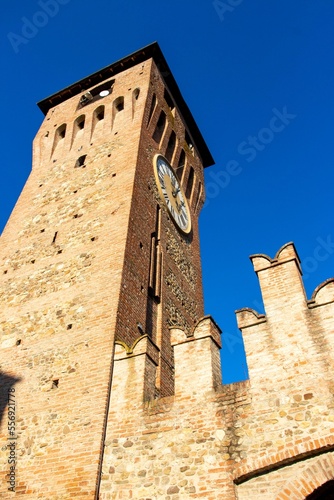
[(160, 127), (324, 492), (171, 146)]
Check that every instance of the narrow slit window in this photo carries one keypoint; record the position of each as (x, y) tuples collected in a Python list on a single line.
[(181, 164), (190, 183), (198, 196), (152, 107), (160, 127), (171, 146)]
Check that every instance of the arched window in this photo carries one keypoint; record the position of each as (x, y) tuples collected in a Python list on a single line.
[(160, 127), (171, 146), (181, 164), (152, 108), (78, 126), (59, 135), (98, 114), (190, 183)]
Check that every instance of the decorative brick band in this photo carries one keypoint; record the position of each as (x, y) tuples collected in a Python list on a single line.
[(297, 453)]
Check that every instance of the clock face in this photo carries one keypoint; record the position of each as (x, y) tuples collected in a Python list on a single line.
[(172, 193)]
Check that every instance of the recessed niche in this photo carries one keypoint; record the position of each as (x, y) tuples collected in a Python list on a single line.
[(93, 239), (55, 384), (60, 251), (80, 162), (69, 327), (42, 230), (33, 261), (136, 93), (119, 104), (18, 342), (5, 272), (98, 114)]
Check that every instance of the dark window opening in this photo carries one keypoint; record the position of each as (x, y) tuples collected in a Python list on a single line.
[(198, 197), (136, 93), (181, 164), (190, 183), (119, 104), (96, 93), (153, 103), (160, 127), (79, 123), (326, 491), (99, 114), (171, 146), (61, 131), (80, 161)]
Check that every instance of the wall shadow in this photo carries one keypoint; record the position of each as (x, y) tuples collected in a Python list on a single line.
[(6, 382)]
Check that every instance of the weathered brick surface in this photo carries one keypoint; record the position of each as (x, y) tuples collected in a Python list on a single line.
[(116, 371)]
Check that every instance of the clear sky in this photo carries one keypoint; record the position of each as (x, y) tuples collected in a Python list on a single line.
[(258, 77)]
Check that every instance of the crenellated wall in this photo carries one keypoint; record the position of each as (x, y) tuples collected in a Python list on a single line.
[(290, 360), (269, 438)]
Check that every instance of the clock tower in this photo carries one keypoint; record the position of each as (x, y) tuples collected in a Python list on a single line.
[(100, 260)]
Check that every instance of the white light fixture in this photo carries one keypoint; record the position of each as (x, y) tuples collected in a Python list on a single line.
[(104, 93)]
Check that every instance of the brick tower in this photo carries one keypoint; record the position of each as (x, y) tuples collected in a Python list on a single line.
[(101, 249), (110, 382)]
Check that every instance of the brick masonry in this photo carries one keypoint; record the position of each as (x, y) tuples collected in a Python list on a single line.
[(116, 371)]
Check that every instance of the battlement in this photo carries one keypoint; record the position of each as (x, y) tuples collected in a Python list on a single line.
[(294, 332)]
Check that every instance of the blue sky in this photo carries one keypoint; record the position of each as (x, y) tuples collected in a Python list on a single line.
[(258, 77)]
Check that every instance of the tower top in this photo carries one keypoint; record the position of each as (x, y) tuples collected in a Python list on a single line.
[(150, 51)]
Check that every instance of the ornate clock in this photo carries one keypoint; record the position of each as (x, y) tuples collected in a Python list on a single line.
[(172, 193)]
